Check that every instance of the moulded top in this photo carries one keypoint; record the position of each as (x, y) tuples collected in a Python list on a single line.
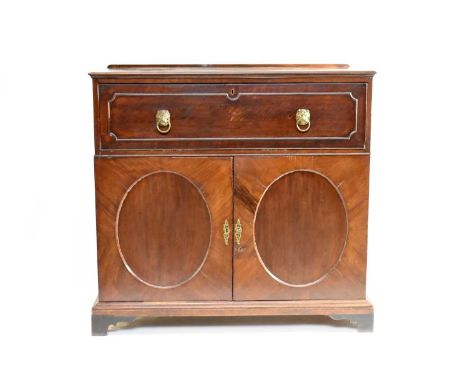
[(228, 69)]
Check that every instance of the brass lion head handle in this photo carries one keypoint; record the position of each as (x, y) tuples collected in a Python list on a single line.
[(303, 120), (163, 121)]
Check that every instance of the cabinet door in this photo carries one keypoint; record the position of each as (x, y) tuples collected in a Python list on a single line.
[(160, 228), (304, 227)]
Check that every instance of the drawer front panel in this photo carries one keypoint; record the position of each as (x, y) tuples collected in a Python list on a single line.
[(233, 116)]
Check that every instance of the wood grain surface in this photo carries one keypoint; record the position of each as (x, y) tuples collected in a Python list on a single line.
[(300, 228), (163, 245), (341, 275), (164, 229)]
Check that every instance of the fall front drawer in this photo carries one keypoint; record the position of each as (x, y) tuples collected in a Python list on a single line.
[(176, 116)]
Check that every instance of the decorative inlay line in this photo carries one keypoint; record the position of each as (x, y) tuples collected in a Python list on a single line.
[(271, 274), (122, 256), (168, 139)]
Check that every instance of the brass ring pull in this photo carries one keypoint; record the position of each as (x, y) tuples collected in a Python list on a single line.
[(303, 119), (163, 119)]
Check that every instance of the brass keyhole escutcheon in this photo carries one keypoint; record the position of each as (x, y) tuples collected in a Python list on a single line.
[(226, 232), (238, 232), (232, 94)]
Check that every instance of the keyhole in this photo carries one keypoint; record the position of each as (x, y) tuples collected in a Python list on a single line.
[(232, 92)]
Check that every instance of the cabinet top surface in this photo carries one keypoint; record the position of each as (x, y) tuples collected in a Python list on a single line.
[(230, 70)]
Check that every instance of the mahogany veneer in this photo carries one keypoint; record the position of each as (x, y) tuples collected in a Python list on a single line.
[(231, 190)]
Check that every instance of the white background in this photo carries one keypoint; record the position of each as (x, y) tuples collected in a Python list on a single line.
[(418, 257)]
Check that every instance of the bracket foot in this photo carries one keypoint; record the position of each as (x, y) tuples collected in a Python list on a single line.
[(363, 322)]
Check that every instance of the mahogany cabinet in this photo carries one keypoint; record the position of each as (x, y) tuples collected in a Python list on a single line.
[(231, 190)]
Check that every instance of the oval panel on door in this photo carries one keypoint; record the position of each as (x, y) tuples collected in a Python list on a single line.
[(163, 229), (300, 228)]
